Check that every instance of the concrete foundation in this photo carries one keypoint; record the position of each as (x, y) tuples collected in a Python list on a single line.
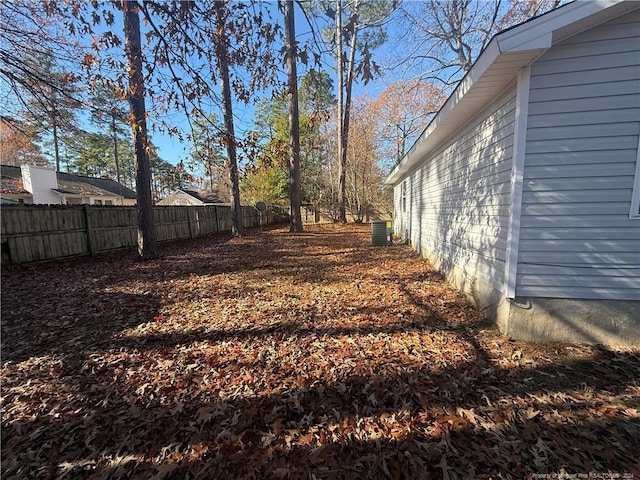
[(608, 322)]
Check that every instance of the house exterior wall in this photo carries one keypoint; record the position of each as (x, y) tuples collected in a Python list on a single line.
[(531, 208), (457, 205), (24, 198), (576, 238), (105, 201), (39, 181), (31, 184), (578, 247)]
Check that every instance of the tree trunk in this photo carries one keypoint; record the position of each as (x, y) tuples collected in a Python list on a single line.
[(294, 118), (222, 52), (56, 148), (209, 165), (146, 240), (115, 145), (347, 105), (342, 158)]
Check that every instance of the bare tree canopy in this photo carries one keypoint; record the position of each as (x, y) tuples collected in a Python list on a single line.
[(444, 37)]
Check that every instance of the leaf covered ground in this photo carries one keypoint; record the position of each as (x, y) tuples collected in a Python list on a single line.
[(285, 356)]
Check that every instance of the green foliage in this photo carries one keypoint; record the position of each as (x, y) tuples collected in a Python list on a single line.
[(167, 177), (316, 93), (268, 179), (207, 158), (92, 154), (53, 103), (369, 17), (266, 182), (272, 130), (108, 110), (270, 118)]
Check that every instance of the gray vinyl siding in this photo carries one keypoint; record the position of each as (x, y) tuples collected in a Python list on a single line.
[(576, 238), (458, 201)]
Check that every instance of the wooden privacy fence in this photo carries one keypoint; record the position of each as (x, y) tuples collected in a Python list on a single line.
[(33, 233)]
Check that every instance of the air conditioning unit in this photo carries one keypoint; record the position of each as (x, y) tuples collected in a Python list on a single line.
[(381, 233)]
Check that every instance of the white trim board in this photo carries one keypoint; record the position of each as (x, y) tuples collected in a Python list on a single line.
[(517, 178), (634, 212)]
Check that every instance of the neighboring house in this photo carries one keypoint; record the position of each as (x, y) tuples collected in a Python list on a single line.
[(41, 185), (525, 188), (191, 197)]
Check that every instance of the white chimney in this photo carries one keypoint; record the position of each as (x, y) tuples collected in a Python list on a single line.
[(39, 182)]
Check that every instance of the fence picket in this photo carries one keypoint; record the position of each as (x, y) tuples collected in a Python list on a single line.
[(45, 232)]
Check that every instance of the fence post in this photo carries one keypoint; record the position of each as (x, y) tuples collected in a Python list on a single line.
[(189, 221), (215, 211), (90, 236)]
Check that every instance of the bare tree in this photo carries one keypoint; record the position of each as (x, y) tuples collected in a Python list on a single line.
[(446, 36), (294, 117), (39, 86), (402, 111), (342, 131), (222, 56), (353, 39)]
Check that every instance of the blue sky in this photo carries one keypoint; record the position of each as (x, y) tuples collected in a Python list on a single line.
[(172, 150)]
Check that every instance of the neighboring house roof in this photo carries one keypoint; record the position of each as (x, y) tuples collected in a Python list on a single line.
[(204, 197), (83, 188), (193, 197), (500, 62), (68, 184), (11, 181), (103, 184)]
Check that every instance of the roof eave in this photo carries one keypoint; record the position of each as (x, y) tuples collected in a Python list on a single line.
[(435, 132), (497, 66)]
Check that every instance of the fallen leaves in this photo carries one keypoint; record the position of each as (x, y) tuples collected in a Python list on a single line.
[(287, 356)]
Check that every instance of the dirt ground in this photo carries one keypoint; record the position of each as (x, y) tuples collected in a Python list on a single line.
[(286, 356)]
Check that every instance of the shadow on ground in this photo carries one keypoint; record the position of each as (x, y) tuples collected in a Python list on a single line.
[(292, 356)]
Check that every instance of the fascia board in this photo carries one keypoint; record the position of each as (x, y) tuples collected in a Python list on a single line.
[(535, 36), (68, 194), (538, 32)]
